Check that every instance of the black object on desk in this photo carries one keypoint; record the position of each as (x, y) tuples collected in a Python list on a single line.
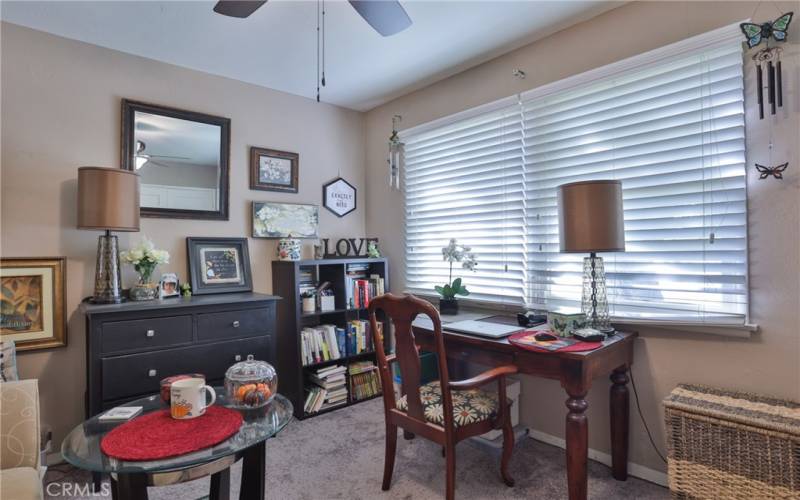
[(529, 319)]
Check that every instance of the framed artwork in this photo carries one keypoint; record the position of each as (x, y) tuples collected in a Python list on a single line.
[(272, 170), (32, 303), (219, 265), (285, 220), (339, 196)]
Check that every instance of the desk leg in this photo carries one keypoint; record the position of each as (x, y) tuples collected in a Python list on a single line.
[(220, 485), (131, 487), (577, 445), (619, 407), (254, 468)]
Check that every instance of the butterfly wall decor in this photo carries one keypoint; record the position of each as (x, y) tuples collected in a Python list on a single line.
[(768, 58), (776, 172), (757, 33)]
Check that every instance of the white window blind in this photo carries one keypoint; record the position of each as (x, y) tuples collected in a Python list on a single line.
[(673, 133), (465, 180), (670, 127)]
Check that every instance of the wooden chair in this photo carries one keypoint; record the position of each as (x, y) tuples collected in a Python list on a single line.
[(443, 411)]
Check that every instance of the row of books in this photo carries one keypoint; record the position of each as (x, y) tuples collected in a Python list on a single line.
[(360, 287), (326, 388), (329, 342), (365, 380)]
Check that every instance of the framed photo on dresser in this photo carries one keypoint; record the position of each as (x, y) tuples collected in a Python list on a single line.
[(219, 265)]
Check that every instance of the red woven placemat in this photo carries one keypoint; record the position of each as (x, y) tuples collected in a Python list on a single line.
[(525, 340), (157, 435)]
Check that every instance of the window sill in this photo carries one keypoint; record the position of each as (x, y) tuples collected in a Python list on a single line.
[(725, 329)]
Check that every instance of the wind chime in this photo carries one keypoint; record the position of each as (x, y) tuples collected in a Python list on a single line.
[(320, 45), (395, 157), (768, 60)]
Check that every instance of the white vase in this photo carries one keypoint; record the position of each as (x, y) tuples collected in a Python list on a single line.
[(309, 304)]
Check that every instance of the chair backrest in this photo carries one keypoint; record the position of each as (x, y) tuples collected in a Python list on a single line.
[(402, 310), (19, 424)]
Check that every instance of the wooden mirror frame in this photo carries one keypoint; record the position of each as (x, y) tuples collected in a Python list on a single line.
[(129, 109)]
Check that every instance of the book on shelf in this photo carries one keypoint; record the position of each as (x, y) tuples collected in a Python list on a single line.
[(361, 287), (322, 343), (365, 380), (359, 336), (326, 388)]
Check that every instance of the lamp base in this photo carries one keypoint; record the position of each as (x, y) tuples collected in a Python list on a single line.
[(107, 278), (595, 298)]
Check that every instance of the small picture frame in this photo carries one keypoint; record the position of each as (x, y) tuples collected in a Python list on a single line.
[(219, 265), (273, 170), (169, 286)]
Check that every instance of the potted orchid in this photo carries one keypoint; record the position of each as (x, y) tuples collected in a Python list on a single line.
[(454, 252), (144, 258)]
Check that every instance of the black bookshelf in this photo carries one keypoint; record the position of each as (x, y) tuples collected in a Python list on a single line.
[(286, 278)]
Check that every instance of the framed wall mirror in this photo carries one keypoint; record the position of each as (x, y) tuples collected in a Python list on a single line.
[(182, 158)]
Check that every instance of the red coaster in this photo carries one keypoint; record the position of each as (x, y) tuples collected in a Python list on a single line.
[(526, 340), (157, 435)]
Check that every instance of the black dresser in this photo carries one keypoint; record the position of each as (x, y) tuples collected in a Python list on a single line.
[(130, 347)]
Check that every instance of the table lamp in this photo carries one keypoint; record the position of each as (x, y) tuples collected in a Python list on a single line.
[(108, 199), (591, 219)]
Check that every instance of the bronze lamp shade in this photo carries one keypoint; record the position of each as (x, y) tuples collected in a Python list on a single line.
[(108, 199), (591, 220), (590, 217)]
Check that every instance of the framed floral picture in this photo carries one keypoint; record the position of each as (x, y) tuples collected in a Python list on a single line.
[(32, 302), (285, 220), (272, 170), (219, 265)]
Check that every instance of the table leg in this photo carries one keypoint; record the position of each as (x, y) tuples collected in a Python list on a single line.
[(577, 434), (619, 408), (131, 487), (220, 485), (254, 468)]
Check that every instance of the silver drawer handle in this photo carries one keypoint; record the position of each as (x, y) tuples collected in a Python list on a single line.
[(236, 324), (151, 373), (151, 333), (238, 357)]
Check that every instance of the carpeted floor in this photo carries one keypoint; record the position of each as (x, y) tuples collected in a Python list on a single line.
[(340, 456)]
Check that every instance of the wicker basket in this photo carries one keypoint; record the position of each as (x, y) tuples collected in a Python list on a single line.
[(731, 445)]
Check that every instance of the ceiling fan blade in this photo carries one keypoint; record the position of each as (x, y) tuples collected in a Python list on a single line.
[(237, 8), (169, 157), (387, 17)]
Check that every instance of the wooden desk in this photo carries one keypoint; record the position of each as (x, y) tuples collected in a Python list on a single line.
[(575, 371)]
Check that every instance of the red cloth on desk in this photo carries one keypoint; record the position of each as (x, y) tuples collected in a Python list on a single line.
[(575, 346)]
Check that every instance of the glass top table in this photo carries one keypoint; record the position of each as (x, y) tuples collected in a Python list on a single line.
[(81, 447)]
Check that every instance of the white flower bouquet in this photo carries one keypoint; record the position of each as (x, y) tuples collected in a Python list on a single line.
[(144, 258)]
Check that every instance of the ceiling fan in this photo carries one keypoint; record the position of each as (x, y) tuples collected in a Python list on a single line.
[(140, 157), (387, 17)]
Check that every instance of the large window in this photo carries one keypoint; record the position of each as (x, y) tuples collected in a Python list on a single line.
[(668, 124)]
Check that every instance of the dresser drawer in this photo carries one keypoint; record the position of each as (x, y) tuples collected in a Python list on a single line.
[(135, 374), (138, 334), (232, 324)]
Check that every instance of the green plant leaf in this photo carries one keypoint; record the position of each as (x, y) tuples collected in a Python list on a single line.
[(463, 291), (439, 290), (456, 285)]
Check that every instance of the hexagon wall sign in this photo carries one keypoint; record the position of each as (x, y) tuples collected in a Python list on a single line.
[(339, 196)]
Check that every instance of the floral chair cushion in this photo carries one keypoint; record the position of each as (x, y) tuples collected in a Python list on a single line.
[(469, 407)]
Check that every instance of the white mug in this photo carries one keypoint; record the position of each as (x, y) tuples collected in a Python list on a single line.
[(188, 398)]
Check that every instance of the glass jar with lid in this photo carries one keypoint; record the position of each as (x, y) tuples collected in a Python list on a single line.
[(251, 383)]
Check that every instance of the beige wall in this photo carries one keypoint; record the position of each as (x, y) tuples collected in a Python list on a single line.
[(61, 109), (769, 362)]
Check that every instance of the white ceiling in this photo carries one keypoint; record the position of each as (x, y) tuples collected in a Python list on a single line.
[(276, 46)]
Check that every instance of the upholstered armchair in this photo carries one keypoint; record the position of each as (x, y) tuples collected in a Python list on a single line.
[(19, 440)]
